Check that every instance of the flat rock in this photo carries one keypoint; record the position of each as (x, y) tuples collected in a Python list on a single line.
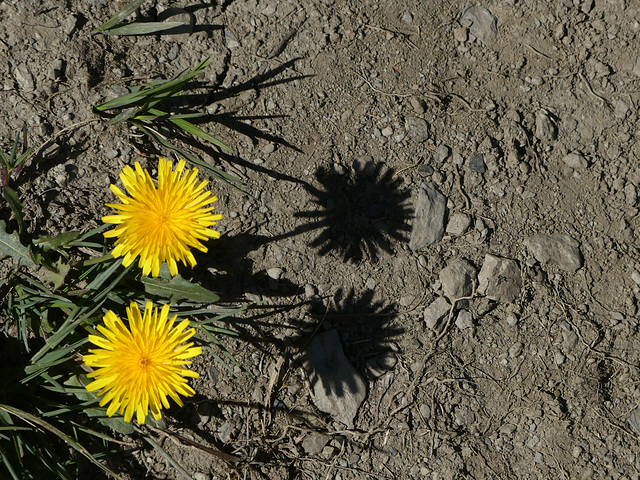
[(559, 250), (435, 311), (457, 279), (481, 23), (499, 279), (314, 443), (458, 224), (337, 387), (546, 129), (575, 160), (428, 222), (417, 128)]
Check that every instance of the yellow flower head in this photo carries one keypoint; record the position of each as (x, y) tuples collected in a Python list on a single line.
[(161, 223), (137, 369)]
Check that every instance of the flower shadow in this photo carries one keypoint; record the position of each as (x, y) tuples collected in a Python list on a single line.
[(359, 215)]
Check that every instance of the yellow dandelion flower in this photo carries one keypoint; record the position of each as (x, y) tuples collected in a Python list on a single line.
[(160, 224), (136, 369)]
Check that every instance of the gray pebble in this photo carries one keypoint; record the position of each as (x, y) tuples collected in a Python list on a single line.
[(24, 78), (515, 350), (458, 224), (559, 250), (457, 279), (428, 222), (499, 279), (364, 165), (435, 311), (417, 128), (476, 163), (546, 129), (268, 148), (442, 153), (387, 131), (464, 320), (575, 160), (418, 104), (481, 23), (275, 273), (314, 443), (559, 358)]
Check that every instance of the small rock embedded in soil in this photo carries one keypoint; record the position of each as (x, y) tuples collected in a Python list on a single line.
[(481, 23), (314, 443), (499, 279), (24, 78), (428, 222), (575, 160), (417, 128), (337, 387), (476, 164), (458, 224), (464, 320), (559, 250), (457, 279), (434, 312), (546, 129)]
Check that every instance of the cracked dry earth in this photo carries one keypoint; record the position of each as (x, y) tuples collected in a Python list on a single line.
[(444, 235)]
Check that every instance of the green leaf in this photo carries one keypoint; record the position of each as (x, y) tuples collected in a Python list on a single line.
[(16, 205), (178, 289), (143, 28), (54, 243), (118, 17), (198, 132), (10, 246)]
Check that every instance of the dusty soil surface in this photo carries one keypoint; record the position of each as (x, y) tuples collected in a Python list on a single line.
[(339, 113)]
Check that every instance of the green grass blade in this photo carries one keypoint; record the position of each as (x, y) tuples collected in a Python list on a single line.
[(198, 132), (28, 418), (6, 463), (165, 454), (119, 16), (143, 28), (169, 87)]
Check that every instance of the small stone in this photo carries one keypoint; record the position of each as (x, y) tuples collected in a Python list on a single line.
[(512, 319), (428, 222), (314, 443), (481, 23), (268, 148), (634, 419), (417, 128), (275, 273), (559, 250), (499, 279), (458, 224), (309, 291), (515, 350), (575, 160), (442, 153), (387, 131), (227, 432), (569, 340), (378, 366), (630, 194), (559, 358), (476, 163), (407, 18), (461, 34), (364, 165), (435, 311), (24, 78), (464, 320), (200, 476), (418, 104), (546, 129), (338, 389), (457, 279)]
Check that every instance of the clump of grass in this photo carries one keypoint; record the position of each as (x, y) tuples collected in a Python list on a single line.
[(116, 26), (140, 108), (11, 167)]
